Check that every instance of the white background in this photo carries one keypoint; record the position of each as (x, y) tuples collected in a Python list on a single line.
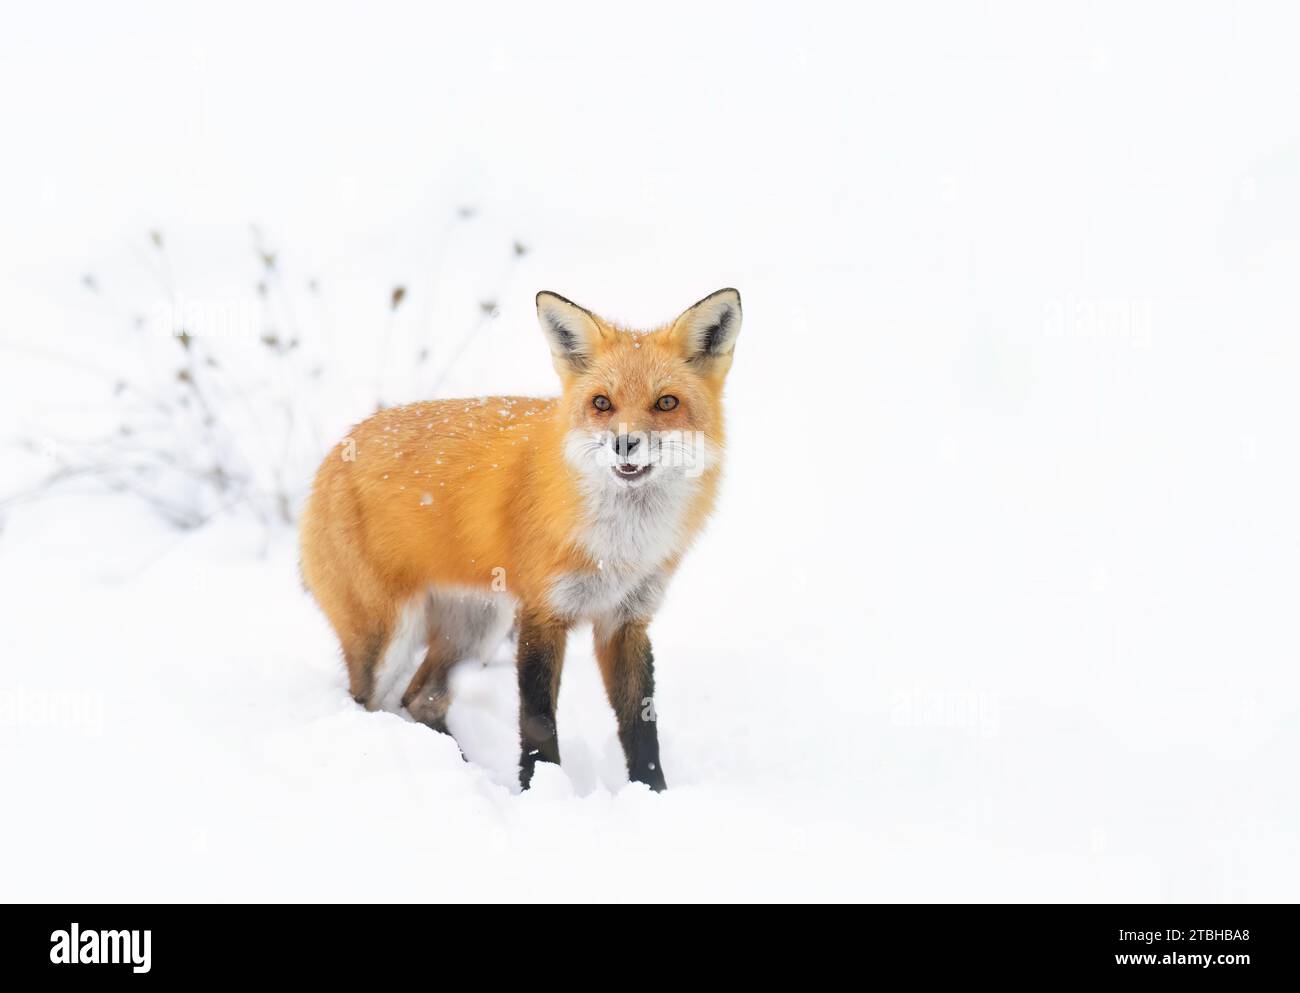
[(1000, 599)]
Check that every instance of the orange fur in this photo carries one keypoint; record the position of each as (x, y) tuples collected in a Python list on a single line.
[(478, 494)]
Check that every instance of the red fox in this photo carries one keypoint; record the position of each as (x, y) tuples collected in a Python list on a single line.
[(434, 527)]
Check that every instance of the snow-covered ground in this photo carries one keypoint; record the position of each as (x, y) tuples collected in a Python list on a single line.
[(1000, 600)]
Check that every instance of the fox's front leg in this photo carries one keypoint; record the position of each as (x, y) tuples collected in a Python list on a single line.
[(541, 656), (627, 665)]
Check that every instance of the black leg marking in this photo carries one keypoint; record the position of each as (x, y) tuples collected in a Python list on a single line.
[(627, 665), (541, 656)]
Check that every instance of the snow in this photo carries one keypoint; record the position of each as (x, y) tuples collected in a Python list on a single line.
[(999, 600)]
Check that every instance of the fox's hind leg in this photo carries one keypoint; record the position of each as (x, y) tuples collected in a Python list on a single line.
[(363, 629), (460, 625), (352, 594), (428, 696), (365, 636), (361, 654)]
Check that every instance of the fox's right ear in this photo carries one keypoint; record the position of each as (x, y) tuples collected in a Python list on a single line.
[(571, 331)]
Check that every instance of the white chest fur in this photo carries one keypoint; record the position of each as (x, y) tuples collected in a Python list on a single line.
[(629, 533)]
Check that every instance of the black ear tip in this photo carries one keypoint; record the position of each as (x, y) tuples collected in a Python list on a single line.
[(555, 296), (723, 292)]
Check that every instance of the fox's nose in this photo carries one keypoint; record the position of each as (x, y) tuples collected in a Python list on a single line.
[(624, 444)]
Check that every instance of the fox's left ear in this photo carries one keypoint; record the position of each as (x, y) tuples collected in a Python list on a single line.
[(708, 330)]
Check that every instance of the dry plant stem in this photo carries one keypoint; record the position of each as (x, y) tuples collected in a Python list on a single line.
[(181, 411)]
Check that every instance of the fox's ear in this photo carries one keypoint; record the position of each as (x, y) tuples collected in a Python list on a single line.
[(708, 330), (571, 332)]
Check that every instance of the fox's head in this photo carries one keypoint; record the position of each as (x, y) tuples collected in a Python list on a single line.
[(642, 408)]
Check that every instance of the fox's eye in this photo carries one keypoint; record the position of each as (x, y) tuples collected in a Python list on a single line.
[(666, 402), (601, 402)]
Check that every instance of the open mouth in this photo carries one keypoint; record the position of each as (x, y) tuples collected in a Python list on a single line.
[(628, 471)]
